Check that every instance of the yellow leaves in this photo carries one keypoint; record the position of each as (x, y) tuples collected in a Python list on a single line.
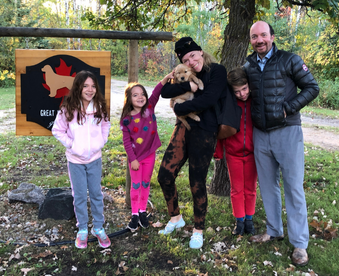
[(6, 77)]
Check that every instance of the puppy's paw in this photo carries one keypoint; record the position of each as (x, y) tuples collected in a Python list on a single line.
[(201, 85)]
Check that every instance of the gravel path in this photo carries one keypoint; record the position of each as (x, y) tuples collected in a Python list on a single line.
[(312, 133), (162, 109)]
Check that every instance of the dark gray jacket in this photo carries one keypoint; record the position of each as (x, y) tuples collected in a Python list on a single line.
[(275, 89)]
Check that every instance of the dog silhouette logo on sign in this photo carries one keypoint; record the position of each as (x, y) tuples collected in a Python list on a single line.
[(55, 81)]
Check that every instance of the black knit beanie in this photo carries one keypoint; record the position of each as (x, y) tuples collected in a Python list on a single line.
[(185, 45)]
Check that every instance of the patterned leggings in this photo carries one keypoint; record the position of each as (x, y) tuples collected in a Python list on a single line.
[(198, 146), (140, 183)]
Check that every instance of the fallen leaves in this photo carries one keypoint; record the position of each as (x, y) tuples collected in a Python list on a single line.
[(266, 263), (157, 224), (16, 256), (26, 270), (42, 254), (121, 267), (107, 252), (291, 268), (324, 230), (219, 247)]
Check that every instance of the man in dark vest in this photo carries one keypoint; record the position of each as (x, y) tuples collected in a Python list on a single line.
[(274, 76)]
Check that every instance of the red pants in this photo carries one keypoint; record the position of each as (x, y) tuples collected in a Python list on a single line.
[(243, 178)]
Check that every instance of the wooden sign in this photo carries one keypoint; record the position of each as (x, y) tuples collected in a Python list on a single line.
[(44, 78)]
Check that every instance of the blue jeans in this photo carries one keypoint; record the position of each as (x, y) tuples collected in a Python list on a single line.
[(83, 177)]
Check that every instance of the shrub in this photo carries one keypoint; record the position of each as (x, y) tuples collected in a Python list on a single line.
[(328, 95), (7, 79)]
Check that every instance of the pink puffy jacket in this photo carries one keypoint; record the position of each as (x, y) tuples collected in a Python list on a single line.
[(83, 142)]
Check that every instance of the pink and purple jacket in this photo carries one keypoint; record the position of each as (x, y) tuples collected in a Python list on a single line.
[(83, 142), (140, 135)]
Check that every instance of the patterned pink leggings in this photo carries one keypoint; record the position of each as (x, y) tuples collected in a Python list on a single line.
[(140, 183)]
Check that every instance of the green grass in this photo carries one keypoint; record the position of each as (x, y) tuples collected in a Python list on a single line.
[(326, 128), (7, 98), (321, 112), (147, 253)]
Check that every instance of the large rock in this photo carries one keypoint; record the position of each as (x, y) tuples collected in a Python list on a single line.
[(28, 193), (58, 205)]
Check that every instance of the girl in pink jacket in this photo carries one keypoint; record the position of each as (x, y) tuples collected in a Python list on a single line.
[(82, 126)]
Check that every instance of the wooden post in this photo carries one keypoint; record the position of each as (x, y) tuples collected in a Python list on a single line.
[(132, 77), (133, 61)]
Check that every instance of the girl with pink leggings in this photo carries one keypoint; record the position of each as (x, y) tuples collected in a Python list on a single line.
[(141, 140)]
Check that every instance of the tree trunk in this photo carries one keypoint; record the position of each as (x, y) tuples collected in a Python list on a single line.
[(233, 55), (67, 22), (220, 184), (236, 34)]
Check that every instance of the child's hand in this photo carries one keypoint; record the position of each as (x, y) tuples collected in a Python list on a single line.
[(135, 165), (167, 78)]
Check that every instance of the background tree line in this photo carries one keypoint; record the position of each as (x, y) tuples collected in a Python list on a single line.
[(300, 29), (309, 29)]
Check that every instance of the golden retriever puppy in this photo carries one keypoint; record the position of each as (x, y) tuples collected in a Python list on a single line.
[(184, 73)]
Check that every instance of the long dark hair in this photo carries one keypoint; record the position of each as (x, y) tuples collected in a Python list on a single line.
[(73, 100), (128, 106)]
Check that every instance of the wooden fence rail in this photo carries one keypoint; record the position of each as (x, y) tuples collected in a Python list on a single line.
[(50, 32)]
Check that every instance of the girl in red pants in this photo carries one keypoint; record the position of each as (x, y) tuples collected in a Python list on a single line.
[(240, 158)]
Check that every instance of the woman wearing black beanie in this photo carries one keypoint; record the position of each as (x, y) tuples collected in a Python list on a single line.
[(196, 145)]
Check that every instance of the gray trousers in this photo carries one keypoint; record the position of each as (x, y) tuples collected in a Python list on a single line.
[(83, 177), (282, 149)]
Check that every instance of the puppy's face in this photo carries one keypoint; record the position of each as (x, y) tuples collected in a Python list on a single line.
[(182, 73)]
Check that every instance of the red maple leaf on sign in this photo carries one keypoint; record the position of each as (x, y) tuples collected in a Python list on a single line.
[(62, 70)]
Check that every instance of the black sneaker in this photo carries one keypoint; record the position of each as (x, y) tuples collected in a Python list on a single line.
[(249, 227), (133, 224), (239, 228), (143, 220)]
